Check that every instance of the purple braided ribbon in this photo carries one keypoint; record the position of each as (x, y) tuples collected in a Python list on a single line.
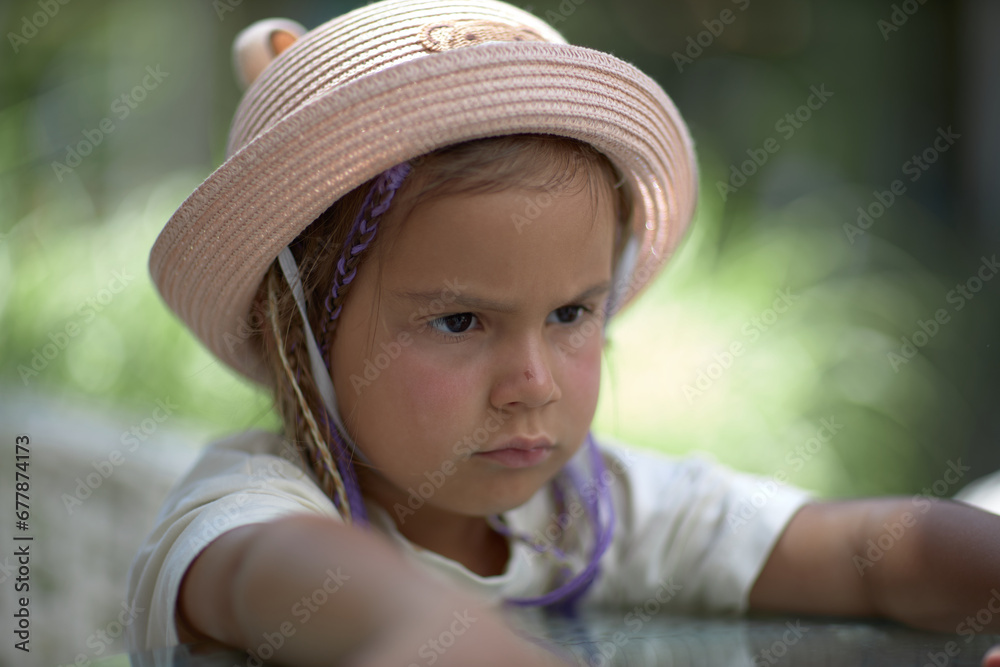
[(567, 595), (361, 234)]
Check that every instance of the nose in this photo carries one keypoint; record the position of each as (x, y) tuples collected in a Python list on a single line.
[(524, 375)]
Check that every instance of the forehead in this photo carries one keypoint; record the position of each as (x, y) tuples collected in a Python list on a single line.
[(511, 241)]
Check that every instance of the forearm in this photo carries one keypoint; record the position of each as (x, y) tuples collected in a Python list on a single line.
[(315, 588), (934, 564)]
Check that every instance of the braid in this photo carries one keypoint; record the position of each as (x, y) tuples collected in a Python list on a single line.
[(317, 455), (308, 424), (358, 239), (300, 434)]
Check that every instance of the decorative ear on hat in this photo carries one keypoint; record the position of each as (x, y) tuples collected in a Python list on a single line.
[(260, 43)]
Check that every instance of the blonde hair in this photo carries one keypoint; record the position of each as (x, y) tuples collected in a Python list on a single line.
[(533, 162)]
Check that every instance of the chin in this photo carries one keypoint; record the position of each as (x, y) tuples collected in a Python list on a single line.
[(512, 494)]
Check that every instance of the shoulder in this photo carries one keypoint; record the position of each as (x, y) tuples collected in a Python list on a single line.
[(246, 474), (692, 521), (241, 457), (650, 486), (252, 469), (245, 478), (247, 444), (644, 474)]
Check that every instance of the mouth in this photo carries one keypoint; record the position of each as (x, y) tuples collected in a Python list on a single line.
[(519, 452)]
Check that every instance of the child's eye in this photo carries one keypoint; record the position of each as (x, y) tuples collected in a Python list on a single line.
[(567, 314), (457, 323)]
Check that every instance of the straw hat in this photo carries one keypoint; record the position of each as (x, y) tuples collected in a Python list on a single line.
[(383, 84)]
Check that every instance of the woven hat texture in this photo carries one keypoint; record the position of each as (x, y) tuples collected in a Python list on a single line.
[(386, 83)]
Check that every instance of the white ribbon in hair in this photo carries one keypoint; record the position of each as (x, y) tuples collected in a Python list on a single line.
[(320, 373)]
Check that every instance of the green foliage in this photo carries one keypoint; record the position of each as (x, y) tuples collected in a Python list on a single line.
[(676, 384), (669, 384), (83, 317)]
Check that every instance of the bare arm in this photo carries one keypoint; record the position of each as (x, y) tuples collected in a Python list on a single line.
[(933, 564), (324, 591)]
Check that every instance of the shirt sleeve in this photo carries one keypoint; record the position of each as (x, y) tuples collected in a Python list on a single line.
[(690, 531), (249, 478)]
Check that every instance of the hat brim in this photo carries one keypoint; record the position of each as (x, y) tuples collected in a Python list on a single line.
[(214, 251)]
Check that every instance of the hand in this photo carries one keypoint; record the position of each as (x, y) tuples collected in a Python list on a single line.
[(451, 630), (992, 657)]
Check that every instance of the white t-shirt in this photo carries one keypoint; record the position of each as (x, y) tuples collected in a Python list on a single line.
[(687, 530)]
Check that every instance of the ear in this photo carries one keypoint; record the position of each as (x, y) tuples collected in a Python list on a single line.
[(260, 43)]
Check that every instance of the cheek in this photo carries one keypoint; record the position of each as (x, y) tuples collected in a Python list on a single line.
[(582, 370), (418, 398)]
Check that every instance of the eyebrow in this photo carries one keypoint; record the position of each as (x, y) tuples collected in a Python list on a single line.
[(469, 302)]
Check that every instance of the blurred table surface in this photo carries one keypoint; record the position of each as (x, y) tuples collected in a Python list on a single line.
[(605, 638)]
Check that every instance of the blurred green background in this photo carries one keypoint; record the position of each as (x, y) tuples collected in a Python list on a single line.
[(75, 238)]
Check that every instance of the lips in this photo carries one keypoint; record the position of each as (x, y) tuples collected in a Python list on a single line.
[(519, 452)]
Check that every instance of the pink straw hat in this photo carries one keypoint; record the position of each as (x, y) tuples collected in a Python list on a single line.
[(386, 83)]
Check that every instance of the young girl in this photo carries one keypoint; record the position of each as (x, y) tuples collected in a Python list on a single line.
[(430, 211)]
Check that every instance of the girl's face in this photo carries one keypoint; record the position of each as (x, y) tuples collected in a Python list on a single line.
[(468, 371)]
